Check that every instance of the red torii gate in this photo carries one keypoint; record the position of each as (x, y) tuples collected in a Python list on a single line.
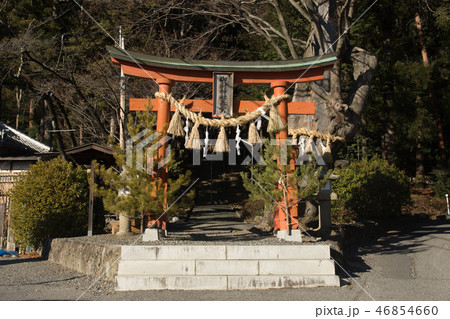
[(167, 71)]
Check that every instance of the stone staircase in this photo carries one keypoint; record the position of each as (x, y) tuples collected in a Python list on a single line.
[(226, 190), (225, 267)]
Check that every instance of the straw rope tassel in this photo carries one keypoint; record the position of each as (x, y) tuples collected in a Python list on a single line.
[(222, 142), (194, 139), (253, 136), (294, 139), (320, 148), (176, 125), (308, 147), (276, 124)]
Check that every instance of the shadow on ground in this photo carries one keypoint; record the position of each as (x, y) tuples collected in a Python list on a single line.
[(405, 235), (15, 260), (215, 223)]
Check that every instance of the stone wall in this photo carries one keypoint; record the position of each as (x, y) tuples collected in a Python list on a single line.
[(95, 260)]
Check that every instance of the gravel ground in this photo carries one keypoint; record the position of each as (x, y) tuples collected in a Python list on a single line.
[(196, 238), (25, 275)]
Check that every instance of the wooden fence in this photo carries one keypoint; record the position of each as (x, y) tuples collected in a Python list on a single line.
[(7, 181)]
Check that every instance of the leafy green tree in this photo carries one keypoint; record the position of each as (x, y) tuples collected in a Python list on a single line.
[(50, 200)]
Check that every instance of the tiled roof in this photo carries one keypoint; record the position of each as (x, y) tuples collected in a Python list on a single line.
[(17, 142)]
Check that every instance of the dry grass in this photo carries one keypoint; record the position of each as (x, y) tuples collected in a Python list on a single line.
[(424, 202)]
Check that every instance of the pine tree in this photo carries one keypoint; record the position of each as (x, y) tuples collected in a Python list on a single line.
[(134, 189), (278, 184)]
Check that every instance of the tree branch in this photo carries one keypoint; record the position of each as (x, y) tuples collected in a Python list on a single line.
[(299, 8), (259, 30), (284, 28), (75, 86)]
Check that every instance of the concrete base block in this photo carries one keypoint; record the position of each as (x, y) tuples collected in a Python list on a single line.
[(173, 252), (296, 267), (227, 267), (126, 283), (153, 234), (266, 282), (294, 236), (279, 252), (156, 267)]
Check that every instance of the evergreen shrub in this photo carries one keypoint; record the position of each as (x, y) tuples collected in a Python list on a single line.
[(50, 200), (370, 189), (441, 183)]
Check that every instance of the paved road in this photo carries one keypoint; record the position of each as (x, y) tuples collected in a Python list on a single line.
[(412, 264), (403, 265)]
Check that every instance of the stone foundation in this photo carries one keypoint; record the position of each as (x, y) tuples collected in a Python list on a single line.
[(95, 260)]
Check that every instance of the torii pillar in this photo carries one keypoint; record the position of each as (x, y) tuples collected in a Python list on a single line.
[(289, 218), (162, 122)]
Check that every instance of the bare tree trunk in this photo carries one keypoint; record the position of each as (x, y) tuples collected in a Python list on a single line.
[(388, 138), (55, 126), (44, 123), (67, 123), (420, 168), (112, 126), (334, 114), (122, 111), (19, 93), (31, 114), (388, 143), (141, 225), (1, 100), (124, 225), (364, 147), (45, 136)]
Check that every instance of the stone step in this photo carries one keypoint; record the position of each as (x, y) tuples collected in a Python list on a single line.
[(296, 267), (226, 267), (156, 267), (173, 252), (230, 252), (126, 283), (267, 282), (279, 252)]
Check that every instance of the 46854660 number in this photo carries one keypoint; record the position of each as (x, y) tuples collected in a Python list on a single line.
[(404, 310)]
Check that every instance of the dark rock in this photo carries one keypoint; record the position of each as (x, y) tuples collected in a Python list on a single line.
[(341, 163)]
